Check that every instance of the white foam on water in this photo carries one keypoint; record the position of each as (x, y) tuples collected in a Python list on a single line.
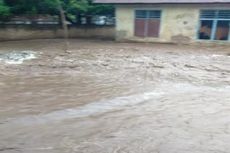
[(216, 55), (17, 57), (89, 109)]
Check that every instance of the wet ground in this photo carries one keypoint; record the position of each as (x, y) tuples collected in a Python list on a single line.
[(107, 97)]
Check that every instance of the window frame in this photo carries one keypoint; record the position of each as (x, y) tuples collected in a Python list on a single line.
[(147, 18), (215, 20)]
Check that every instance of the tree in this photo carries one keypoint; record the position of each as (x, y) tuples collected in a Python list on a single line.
[(32, 7), (4, 10), (73, 8), (78, 8)]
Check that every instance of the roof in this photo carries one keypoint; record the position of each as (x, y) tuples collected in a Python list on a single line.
[(162, 1)]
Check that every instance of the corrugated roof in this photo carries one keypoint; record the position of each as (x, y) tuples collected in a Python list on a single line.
[(161, 1)]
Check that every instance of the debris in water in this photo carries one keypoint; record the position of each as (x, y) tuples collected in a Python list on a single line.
[(17, 57)]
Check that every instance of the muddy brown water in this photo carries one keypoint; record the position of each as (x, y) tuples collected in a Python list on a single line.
[(107, 97)]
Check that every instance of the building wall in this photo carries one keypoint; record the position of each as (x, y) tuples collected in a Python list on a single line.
[(19, 32), (179, 23), (124, 22)]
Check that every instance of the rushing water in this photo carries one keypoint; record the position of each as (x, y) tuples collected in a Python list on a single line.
[(106, 97), (17, 57)]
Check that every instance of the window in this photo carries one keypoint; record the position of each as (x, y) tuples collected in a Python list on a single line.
[(214, 25), (147, 23)]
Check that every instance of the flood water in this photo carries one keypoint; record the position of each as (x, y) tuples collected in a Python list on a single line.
[(107, 97)]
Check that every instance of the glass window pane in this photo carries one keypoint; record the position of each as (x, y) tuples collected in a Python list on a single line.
[(155, 14), (222, 30), (208, 14), (141, 14), (205, 29), (224, 14)]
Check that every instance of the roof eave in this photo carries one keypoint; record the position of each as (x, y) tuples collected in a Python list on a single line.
[(213, 2), (161, 3)]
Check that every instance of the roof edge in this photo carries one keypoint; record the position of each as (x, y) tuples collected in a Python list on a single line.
[(146, 2)]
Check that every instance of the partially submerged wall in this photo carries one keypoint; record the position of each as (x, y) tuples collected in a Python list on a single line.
[(179, 23), (19, 32)]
